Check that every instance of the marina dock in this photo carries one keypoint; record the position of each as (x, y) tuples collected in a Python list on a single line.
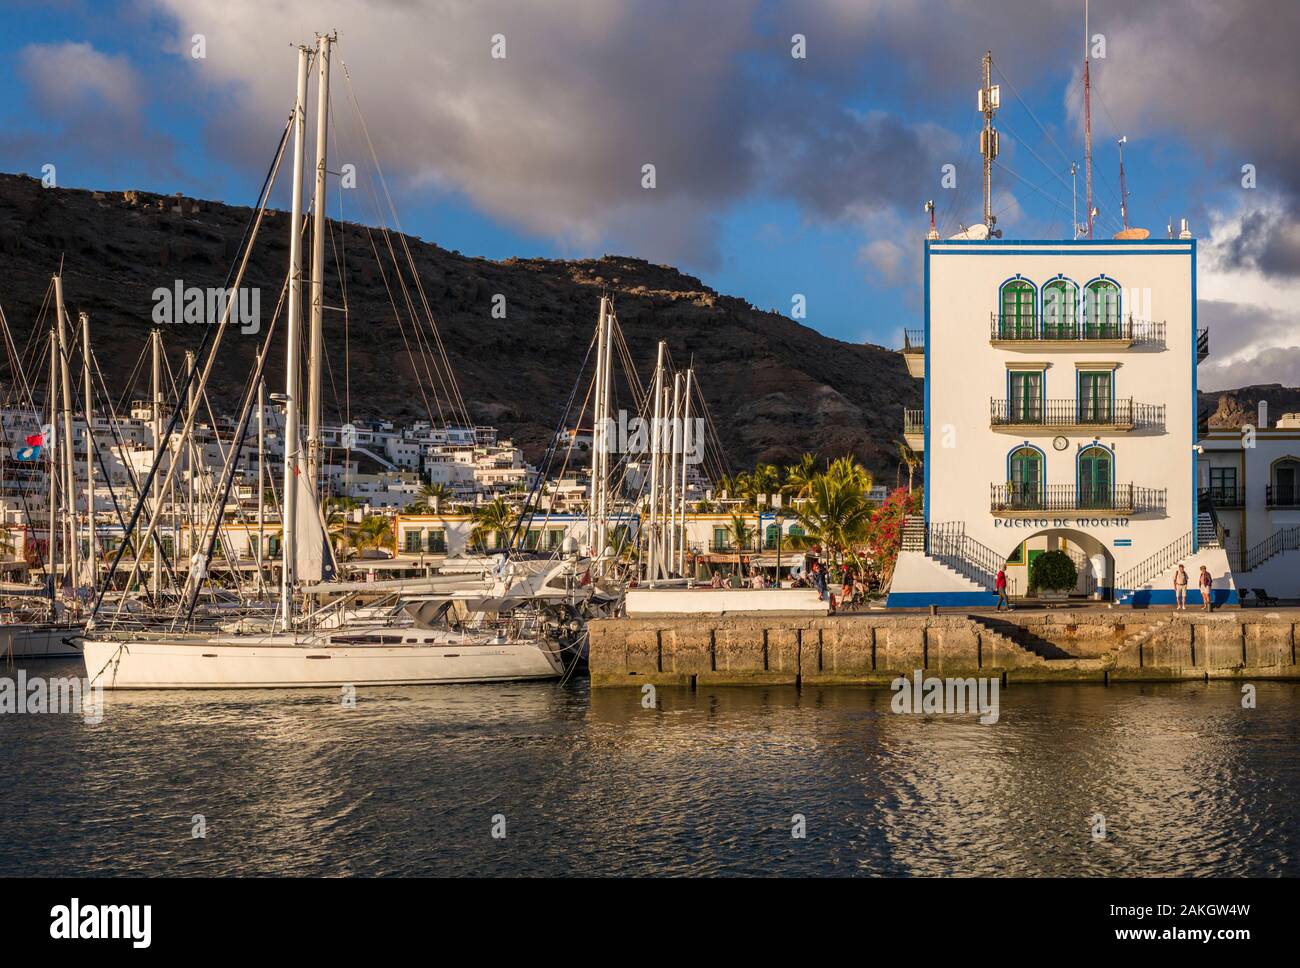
[(1101, 645)]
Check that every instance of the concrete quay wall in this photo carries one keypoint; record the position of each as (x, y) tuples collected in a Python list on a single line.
[(874, 649)]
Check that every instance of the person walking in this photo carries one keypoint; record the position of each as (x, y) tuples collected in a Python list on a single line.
[(1180, 589), (1206, 581), (819, 581), (1000, 585)]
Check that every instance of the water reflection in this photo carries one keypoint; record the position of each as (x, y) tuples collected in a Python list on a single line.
[(408, 781)]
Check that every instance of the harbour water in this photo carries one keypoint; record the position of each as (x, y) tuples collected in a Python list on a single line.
[(414, 781)]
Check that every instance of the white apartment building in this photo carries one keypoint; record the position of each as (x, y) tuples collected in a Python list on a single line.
[(1060, 414), (1250, 479)]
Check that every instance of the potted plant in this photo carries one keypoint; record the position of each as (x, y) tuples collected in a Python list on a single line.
[(1053, 575)]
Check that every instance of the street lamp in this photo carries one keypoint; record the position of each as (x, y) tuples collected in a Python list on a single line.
[(780, 522)]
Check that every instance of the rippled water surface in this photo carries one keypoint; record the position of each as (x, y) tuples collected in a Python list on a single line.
[(409, 781)]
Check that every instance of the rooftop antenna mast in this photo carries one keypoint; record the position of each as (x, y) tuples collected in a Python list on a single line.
[(1087, 121), (934, 231), (990, 97), (1123, 191)]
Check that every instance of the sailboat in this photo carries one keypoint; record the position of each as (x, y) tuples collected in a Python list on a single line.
[(444, 636)]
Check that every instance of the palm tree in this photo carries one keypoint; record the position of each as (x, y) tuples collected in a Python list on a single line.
[(848, 471), (433, 495), (374, 531), (835, 516), (495, 518), (766, 479), (739, 531), (799, 477), (337, 525), (910, 459)]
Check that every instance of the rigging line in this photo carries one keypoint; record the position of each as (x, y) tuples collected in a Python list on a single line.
[(1054, 200), (212, 336), (997, 67), (228, 473), (457, 399), (550, 450), (401, 327), (1028, 147)]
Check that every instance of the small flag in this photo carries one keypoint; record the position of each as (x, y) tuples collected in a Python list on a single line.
[(28, 453)]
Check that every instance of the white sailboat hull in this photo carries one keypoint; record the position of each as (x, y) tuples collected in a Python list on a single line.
[(280, 662), (39, 641)]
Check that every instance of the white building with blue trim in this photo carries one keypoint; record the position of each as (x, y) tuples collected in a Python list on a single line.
[(1060, 414)]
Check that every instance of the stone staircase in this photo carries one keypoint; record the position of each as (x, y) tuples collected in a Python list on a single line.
[(1207, 532), (1052, 655), (1139, 639)]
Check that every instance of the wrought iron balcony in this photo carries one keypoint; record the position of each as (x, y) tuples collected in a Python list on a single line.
[(914, 428), (914, 352), (1282, 496), (1119, 499), (1220, 497), (1086, 415), (1021, 329)]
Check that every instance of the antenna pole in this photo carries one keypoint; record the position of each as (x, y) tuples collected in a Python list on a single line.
[(1087, 120), (1123, 191), (988, 104)]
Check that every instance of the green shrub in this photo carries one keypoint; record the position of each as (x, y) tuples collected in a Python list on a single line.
[(1054, 571)]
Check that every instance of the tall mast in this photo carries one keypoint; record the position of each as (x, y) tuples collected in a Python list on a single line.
[(674, 451), (1087, 122), (261, 477), (652, 546), (595, 535), (191, 453), (989, 98), (157, 430), (293, 320), (53, 556), (92, 562), (69, 485), (317, 336), (686, 446)]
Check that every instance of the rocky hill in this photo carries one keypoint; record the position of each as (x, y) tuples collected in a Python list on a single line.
[(1232, 408), (775, 388)]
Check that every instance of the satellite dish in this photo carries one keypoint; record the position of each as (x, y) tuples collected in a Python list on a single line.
[(975, 232)]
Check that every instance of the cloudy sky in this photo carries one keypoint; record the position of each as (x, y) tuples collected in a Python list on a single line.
[(776, 175)]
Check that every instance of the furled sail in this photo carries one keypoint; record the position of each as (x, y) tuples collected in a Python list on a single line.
[(314, 558)]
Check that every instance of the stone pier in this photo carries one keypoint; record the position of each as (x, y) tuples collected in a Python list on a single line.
[(874, 648)]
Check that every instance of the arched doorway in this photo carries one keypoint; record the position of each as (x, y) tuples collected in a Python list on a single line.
[(1092, 560)]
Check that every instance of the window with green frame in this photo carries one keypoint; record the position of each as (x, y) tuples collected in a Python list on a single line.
[(1101, 310), (721, 538), (1096, 478), (1018, 310), (1096, 395), (1060, 310), (437, 541), (1025, 403), (773, 530)]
